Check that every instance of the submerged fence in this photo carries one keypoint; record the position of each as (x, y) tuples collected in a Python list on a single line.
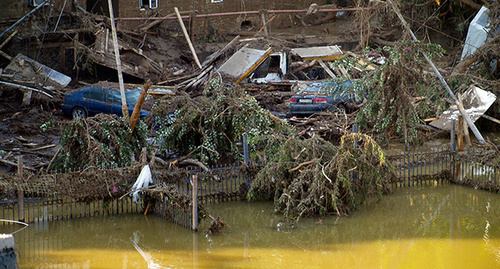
[(420, 166), (222, 183), (412, 167)]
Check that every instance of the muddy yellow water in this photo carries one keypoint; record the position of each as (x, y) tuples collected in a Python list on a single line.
[(426, 227)]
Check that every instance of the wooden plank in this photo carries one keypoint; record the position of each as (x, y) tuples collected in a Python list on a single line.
[(8, 39), (491, 118), (186, 35), (5, 55), (325, 53), (327, 69), (138, 106)]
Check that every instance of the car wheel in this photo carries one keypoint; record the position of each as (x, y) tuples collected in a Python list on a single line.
[(79, 112)]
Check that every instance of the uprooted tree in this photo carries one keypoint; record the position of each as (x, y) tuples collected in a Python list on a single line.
[(313, 177), (210, 126)]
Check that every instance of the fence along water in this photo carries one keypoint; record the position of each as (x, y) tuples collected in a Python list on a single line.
[(413, 167)]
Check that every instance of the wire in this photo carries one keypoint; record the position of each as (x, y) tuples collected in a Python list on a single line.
[(17, 222)]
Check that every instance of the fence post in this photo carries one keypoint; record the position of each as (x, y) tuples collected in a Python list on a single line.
[(452, 135), (262, 14), (460, 140), (452, 148), (20, 191), (460, 133), (247, 158), (245, 149), (195, 203)]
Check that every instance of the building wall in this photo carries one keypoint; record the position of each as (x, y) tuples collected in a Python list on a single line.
[(130, 9), (12, 10)]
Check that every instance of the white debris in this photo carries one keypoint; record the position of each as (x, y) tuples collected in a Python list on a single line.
[(475, 101), (145, 178)]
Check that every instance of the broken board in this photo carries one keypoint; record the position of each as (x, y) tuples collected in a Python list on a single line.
[(23, 68), (241, 64), (475, 101), (325, 53)]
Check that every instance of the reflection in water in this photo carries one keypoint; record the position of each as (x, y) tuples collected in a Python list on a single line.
[(426, 227)]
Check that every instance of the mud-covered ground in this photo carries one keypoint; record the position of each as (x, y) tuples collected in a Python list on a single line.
[(28, 131)]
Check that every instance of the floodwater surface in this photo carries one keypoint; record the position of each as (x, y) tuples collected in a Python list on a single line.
[(419, 227)]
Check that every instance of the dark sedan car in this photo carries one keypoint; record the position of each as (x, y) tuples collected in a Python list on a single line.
[(323, 96), (93, 100)]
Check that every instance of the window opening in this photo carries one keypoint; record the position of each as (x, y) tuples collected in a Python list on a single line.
[(148, 4)]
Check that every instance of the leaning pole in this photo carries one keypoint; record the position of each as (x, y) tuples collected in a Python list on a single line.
[(458, 103)]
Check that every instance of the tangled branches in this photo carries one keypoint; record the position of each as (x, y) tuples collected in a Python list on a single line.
[(103, 141), (209, 126), (393, 86), (314, 178)]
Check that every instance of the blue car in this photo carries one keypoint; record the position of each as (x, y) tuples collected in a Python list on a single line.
[(324, 96), (94, 100)]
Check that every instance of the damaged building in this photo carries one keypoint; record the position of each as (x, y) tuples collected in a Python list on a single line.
[(71, 36)]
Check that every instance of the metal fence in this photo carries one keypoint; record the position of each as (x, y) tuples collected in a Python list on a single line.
[(421, 166), (412, 167), (39, 209), (220, 184), (476, 175)]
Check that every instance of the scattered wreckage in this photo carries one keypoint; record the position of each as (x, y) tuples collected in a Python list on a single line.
[(272, 69)]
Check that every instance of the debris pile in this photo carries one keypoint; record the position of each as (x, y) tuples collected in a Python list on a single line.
[(211, 125)]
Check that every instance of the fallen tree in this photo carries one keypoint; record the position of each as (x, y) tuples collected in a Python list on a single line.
[(100, 142), (313, 177), (391, 91), (210, 126)]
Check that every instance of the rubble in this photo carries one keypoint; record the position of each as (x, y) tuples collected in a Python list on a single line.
[(270, 62)]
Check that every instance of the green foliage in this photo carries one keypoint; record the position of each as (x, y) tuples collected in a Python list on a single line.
[(46, 125), (392, 87), (211, 125), (314, 178), (103, 141)]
